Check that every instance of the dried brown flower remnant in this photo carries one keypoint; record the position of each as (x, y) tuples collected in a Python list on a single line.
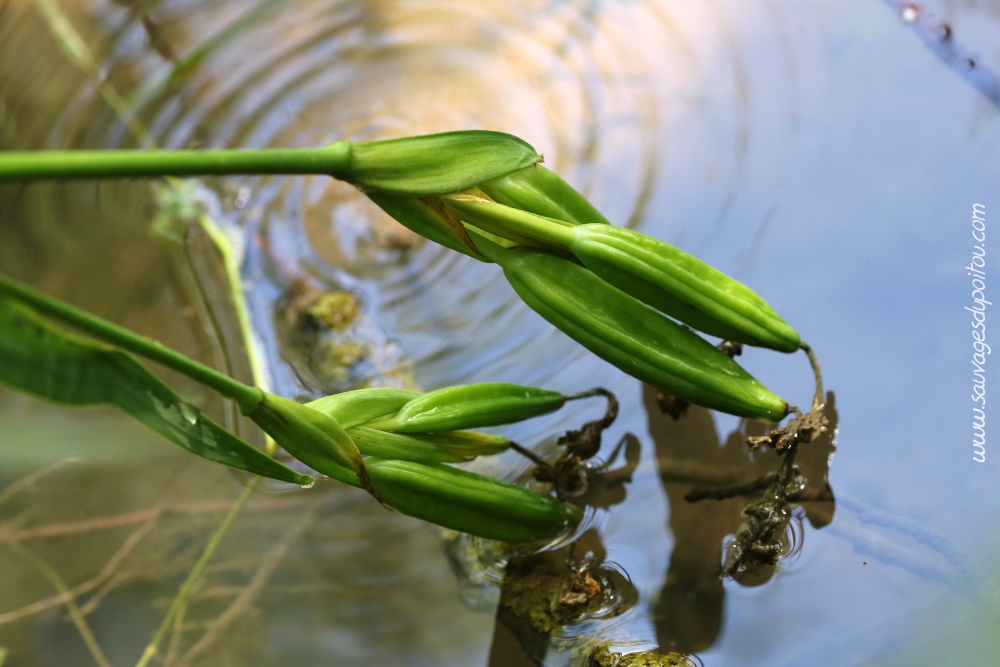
[(580, 590), (799, 429), (567, 474)]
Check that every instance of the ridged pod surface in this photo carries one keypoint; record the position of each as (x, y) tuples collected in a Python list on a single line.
[(629, 334), (646, 268), (471, 406), (436, 163), (471, 503), (360, 406), (356, 410), (681, 286)]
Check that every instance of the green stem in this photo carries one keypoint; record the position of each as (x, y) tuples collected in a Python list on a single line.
[(814, 362), (247, 398), (179, 604), (333, 160), (501, 220), (74, 610)]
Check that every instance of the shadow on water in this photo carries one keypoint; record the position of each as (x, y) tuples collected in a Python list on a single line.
[(668, 115), (688, 613)]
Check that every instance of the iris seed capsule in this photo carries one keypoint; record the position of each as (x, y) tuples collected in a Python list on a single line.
[(360, 406), (650, 270), (682, 286), (470, 406), (630, 335), (471, 503)]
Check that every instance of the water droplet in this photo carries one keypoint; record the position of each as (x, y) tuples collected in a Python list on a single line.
[(909, 13), (190, 413), (242, 197), (309, 485), (796, 484)]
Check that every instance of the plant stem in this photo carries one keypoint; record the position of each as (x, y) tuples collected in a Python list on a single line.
[(247, 398), (814, 362), (180, 602), (71, 607), (80, 54), (77, 51), (29, 479), (510, 222), (333, 160)]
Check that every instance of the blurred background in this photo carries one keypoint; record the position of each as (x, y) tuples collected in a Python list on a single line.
[(827, 154)]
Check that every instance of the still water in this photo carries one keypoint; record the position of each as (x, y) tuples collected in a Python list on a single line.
[(828, 154)]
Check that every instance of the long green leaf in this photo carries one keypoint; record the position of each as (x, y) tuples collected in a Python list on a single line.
[(40, 359)]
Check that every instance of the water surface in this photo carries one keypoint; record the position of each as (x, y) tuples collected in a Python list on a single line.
[(824, 153)]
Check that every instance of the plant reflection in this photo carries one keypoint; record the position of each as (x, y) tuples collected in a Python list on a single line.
[(543, 592), (688, 612)]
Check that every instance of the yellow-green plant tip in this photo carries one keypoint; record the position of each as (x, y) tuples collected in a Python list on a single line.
[(436, 163), (471, 503), (471, 406)]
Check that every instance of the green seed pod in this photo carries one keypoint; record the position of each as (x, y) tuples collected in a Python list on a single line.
[(436, 163), (312, 437), (471, 503), (654, 272), (446, 447), (537, 190), (354, 408), (625, 332), (682, 286), (470, 406)]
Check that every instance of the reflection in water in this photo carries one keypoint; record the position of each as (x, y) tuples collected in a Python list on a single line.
[(330, 344), (688, 611), (939, 38), (543, 593)]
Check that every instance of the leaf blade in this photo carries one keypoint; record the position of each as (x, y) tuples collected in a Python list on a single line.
[(40, 359)]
